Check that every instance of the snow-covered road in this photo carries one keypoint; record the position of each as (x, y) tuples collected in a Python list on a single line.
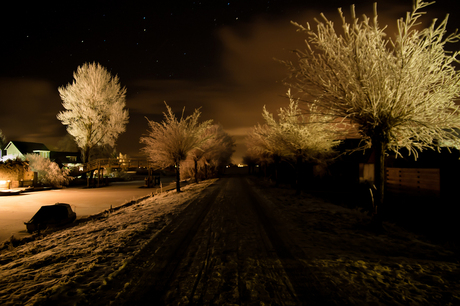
[(224, 248)]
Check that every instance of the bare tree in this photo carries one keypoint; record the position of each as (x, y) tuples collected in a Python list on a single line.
[(170, 142), (95, 112), (398, 92)]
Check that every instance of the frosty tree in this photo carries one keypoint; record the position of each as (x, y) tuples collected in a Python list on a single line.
[(302, 137), (216, 145), (262, 146), (95, 112), (214, 152), (309, 136), (170, 142), (48, 171), (295, 136), (399, 93), (221, 154)]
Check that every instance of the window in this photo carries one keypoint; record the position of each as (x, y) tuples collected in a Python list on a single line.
[(72, 159)]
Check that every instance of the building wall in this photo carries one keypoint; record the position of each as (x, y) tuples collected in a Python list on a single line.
[(12, 150), (13, 176)]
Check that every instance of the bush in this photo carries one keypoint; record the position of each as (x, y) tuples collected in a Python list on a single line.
[(48, 171), (13, 169)]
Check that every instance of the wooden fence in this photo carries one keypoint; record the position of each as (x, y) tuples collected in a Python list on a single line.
[(115, 163), (414, 181)]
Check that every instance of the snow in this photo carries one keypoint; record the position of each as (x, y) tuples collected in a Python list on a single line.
[(356, 265), (80, 259), (395, 267)]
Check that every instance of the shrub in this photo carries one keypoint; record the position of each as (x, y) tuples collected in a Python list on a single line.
[(48, 171)]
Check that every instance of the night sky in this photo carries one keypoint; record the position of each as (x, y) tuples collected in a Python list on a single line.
[(218, 55)]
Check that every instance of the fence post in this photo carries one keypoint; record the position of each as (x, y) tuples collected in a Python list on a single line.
[(98, 173)]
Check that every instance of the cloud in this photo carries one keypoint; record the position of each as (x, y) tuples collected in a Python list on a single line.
[(252, 76), (29, 109), (249, 77)]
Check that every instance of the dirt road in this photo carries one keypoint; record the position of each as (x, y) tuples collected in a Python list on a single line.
[(225, 248)]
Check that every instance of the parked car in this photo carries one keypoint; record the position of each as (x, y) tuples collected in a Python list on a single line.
[(51, 216)]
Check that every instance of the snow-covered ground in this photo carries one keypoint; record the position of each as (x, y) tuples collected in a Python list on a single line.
[(358, 266), (80, 259), (17, 209)]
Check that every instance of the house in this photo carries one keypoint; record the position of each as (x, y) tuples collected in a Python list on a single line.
[(63, 159), (67, 160), (21, 148)]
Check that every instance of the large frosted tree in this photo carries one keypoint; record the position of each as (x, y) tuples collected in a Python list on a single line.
[(95, 104), (170, 142), (398, 92)]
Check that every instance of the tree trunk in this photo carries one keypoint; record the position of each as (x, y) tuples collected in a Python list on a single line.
[(178, 178), (196, 170), (379, 179), (277, 160), (298, 174), (85, 154), (85, 157)]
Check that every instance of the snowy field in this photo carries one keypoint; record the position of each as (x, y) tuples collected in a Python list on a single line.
[(395, 267), (80, 259), (17, 209), (358, 266)]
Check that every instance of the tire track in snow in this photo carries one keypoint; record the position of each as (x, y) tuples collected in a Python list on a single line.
[(225, 247), (147, 276), (308, 289)]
